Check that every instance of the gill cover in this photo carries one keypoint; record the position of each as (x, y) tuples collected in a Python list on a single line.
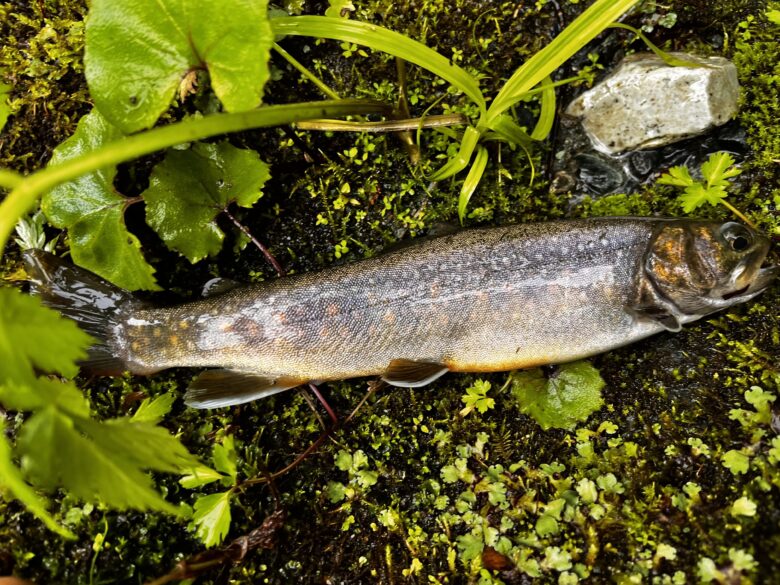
[(693, 268)]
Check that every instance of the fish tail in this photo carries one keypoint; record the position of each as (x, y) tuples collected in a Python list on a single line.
[(96, 305)]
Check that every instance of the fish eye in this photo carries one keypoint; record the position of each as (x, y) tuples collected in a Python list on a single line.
[(737, 237)]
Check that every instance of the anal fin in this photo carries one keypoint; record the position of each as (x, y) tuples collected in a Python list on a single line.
[(413, 374), (218, 388)]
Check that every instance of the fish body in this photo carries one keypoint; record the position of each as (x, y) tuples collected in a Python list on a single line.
[(480, 300)]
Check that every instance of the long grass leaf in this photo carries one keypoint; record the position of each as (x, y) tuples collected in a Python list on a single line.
[(461, 160), (381, 39), (575, 36), (472, 180), (547, 114)]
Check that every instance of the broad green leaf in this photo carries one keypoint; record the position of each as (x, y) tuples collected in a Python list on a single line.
[(718, 169), (677, 176), (33, 336), (212, 518), (5, 108), (773, 16), (94, 213), (38, 393), (697, 195), (225, 457), (190, 188), (104, 460), (139, 53), (569, 396), (736, 461), (472, 181), (153, 410), (11, 479), (199, 476), (382, 39)]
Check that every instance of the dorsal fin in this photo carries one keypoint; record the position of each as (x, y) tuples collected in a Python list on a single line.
[(413, 374), (217, 388)]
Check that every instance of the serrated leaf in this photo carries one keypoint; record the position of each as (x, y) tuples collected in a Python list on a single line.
[(200, 476), (94, 213), (190, 188), (139, 53), (153, 410), (38, 393), (225, 457), (697, 195), (678, 176), (104, 460), (718, 169), (11, 479), (33, 336), (567, 397), (212, 518)]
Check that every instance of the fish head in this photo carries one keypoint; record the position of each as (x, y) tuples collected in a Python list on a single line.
[(702, 267)]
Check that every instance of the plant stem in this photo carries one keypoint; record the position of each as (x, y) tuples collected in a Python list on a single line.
[(306, 73), (738, 213), (268, 256), (386, 126), (26, 193), (10, 179)]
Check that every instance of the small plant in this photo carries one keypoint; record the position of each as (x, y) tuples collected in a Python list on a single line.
[(716, 173), (476, 398)]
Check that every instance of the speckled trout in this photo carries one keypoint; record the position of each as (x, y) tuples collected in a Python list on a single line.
[(481, 300)]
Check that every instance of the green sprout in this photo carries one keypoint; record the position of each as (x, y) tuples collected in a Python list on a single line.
[(476, 398), (716, 173)]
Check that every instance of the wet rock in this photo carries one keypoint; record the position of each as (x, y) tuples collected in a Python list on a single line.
[(646, 103)]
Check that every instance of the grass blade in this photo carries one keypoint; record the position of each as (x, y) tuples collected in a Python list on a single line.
[(459, 162), (381, 39), (472, 180), (547, 115), (575, 36)]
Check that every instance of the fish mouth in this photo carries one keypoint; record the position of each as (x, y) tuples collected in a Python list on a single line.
[(760, 282)]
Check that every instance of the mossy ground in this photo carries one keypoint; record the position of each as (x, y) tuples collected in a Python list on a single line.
[(676, 479)]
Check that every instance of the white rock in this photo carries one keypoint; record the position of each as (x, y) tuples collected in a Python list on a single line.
[(646, 103)]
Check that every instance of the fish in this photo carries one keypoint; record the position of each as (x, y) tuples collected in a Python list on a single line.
[(478, 300)]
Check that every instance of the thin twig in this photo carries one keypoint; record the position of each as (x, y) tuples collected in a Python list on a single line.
[(268, 256)]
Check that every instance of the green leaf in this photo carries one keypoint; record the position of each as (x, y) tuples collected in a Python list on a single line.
[(5, 108), (339, 8), (773, 16), (153, 411), (736, 461), (476, 397), (382, 39), (104, 460), (678, 176), (225, 457), (11, 480), (470, 547), (38, 393), (200, 476), (718, 169), (139, 53), (190, 188), (472, 181), (546, 525), (461, 160), (743, 507), (336, 491), (33, 336), (697, 195), (344, 460), (94, 213), (212, 518), (567, 397)]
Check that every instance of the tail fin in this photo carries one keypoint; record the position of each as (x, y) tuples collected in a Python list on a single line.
[(96, 305)]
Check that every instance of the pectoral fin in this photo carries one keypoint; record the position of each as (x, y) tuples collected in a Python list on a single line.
[(665, 318), (217, 388), (412, 374)]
